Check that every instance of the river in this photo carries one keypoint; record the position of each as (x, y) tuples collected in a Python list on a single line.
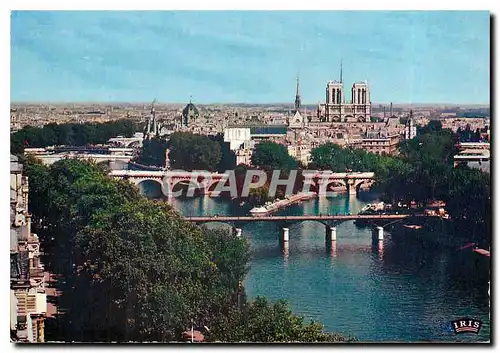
[(395, 291)]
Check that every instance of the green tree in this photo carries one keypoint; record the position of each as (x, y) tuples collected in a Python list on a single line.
[(153, 152), (188, 151), (228, 158), (432, 126), (69, 134), (265, 322), (273, 156)]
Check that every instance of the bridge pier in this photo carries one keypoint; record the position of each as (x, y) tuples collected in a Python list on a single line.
[(330, 235), (333, 249), (237, 232), (378, 233), (284, 237)]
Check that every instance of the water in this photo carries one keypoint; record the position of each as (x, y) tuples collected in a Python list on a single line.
[(395, 291)]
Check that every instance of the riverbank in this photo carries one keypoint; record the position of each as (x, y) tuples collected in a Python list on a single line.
[(277, 205)]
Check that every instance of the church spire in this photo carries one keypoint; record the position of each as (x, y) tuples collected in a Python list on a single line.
[(297, 96), (340, 70)]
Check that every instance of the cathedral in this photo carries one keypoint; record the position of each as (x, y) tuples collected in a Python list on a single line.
[(336, 109)]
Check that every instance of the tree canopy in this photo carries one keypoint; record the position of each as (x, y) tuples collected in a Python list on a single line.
[(153, 152), (70, 134), (273, 156), (188, 151)]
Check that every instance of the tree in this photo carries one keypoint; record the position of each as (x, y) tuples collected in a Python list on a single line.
[(273, 156), (193, 152), (69, 134), (432, 126), (228, 158), (265, 322), (153, 152), (330, 156)]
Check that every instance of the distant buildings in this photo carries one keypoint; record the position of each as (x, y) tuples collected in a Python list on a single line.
[(301, 153), (346, 121), (27, 277), (378, 142), (236, 136), (473, 154)]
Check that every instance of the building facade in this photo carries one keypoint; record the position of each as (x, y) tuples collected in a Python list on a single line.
[(27, 276), (336, 109), (378, 142)]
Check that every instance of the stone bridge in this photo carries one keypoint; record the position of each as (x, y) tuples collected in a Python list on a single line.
[(326, 180), (167, 180), (131, 142), (318, 181)]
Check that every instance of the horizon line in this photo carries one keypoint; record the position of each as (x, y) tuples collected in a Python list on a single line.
[(235, 103)]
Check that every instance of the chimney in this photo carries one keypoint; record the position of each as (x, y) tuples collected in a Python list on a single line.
[(390, 113)]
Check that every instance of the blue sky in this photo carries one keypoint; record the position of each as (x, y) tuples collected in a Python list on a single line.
[(254, 57)]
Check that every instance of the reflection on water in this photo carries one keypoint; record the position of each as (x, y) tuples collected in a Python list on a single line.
[(374, 290)]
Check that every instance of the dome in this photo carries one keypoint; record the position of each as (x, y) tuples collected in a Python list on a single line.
[(190, 109)]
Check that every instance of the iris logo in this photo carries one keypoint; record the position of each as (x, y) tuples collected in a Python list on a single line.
[(466, 325)]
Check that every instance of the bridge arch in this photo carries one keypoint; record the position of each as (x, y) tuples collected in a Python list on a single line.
[(316, 221), (336, 183), (186, 186), (116, 144), (151, 188), (357, 184), (133, 144), (201, 185)]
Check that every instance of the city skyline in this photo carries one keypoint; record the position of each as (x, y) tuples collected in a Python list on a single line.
[(248, 57)]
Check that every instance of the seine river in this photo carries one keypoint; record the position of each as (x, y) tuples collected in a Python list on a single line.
[(395, 291)]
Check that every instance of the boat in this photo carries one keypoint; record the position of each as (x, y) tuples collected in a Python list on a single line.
[(270, 207), (259, 211), (482, 252)]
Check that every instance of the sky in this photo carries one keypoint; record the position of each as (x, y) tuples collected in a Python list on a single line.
[(248, 56)]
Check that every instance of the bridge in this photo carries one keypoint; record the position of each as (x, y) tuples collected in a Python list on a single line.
[(329, 221), (167, 180), (324, 180), (110, 155), (270, 218), (318, 181), (132, 142)]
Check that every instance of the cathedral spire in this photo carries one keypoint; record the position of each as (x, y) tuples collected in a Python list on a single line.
[(297, 96), (340, 70)]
